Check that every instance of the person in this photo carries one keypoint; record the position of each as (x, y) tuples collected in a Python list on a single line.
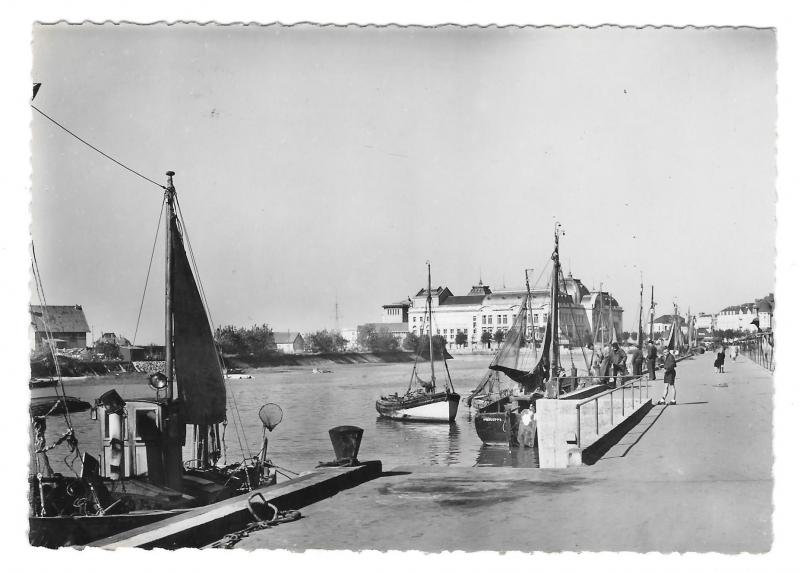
[(652, 354), (618, 359), (734, 352), (719, 363), (637, 359), (669, 378)]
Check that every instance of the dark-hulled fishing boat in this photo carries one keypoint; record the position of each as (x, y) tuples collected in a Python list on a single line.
[(506, 397)]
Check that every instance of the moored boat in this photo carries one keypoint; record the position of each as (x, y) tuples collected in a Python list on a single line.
[(147, 468), (422, 402)]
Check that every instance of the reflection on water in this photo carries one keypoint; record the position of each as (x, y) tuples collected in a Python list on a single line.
[(503, 456), (313, 404), (437, 443)]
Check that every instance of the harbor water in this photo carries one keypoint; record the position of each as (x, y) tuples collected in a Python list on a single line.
[(312, 404)]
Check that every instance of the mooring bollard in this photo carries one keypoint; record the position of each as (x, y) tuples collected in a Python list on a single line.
[(346, 441)]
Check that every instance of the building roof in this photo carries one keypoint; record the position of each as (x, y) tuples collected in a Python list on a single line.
[(740, 308), (462, 300), (285, 337), (391, 327), (400, 304), (438, 291), (60, 319), (479, 290), (667, 319)]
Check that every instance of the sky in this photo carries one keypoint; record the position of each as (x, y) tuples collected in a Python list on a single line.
[(323, 165)]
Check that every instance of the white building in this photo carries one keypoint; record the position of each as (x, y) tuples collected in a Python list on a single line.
[(705, 321), (739, 317), (288, 342), (482, 310)]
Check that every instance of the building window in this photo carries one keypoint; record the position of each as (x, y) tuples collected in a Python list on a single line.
[(505, 318), (490, 320), (483, 320)]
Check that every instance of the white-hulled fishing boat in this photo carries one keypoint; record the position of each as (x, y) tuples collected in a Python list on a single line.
[(422, 402)]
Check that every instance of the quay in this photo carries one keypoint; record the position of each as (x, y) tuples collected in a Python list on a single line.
[(696, 476)]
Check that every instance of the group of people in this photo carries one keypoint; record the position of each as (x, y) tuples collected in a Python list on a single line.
[(611, 362)]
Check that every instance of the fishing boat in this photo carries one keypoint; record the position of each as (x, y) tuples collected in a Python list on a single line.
[(519, 376), (422, 401), (147, 469)]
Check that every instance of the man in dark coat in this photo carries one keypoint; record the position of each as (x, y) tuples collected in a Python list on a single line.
[(652, 354), (669, 377), (637, 359), (618, 359)]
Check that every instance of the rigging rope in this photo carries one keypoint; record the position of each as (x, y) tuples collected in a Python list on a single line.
[(103, 153), (149, 267), (72, 441)]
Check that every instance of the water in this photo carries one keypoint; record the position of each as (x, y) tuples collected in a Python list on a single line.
[(312, 404)]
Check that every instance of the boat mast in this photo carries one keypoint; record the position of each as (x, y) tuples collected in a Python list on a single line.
[(552, 383), (529, 313), (169, 197), (173, 426), (602, 320), (652, 310), (430, 327), (639, 333)]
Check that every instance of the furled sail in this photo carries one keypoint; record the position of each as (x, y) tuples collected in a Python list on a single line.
[(201, 387), (530, 380), (514, 360)]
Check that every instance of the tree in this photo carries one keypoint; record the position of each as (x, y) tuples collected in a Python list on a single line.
[(324, 341), (410, 342), (461, 339), (255, 340), (498, 336), (373, 340), (626, 336), (634, 336), (439, 345), (110, 350), (486, 339)]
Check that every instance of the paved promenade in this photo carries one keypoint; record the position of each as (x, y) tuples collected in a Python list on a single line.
[(695, 476)]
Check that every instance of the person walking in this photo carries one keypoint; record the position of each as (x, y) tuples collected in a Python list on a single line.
[(637, 359), (719, 363), (652, 354), (669, 378)]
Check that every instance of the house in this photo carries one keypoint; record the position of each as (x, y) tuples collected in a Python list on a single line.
[(67, 325), (662, 324), (288, 342)]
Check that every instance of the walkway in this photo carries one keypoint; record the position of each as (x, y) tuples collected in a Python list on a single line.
[(696, 476)]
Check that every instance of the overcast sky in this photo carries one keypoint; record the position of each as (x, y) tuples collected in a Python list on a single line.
[(316, 164)]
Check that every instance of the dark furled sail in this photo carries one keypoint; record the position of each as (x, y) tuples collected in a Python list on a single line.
[(533, 379), (201, 387)]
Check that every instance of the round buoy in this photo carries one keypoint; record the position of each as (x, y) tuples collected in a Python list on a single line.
[(270, 415)]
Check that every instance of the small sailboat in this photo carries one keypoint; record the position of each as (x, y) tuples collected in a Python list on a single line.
[(422, 401), (142, 474)]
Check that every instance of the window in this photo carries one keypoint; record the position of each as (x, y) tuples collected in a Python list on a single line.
[(490, 320), (505, 318), (484, 320)]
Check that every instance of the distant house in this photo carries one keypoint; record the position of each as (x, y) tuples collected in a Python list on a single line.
[(67, 325), (142, 353), (288, 342), (662, 324)]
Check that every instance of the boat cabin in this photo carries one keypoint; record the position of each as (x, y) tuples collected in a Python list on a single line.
[(126, 436)]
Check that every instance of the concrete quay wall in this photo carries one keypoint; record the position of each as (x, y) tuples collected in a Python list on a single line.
[(565, 431)]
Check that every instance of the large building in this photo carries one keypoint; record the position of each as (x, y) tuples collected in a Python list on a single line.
[(483, 310), (739, 317), (67, 325)]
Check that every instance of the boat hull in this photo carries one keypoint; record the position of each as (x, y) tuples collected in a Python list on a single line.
[(495, 428), (441, 407)]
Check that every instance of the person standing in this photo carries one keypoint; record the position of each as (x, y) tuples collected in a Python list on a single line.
[(669, 378), (719, 363), (652, 354), (637, 359), (618, 359)]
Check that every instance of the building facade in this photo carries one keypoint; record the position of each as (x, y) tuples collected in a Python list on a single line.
[(483, 310), (738, 317)]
